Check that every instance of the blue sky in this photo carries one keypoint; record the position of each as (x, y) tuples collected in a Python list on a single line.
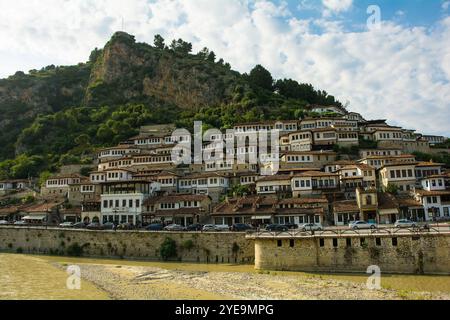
[(399, 70)]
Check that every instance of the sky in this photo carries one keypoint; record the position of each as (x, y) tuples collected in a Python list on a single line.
[(387, 59)]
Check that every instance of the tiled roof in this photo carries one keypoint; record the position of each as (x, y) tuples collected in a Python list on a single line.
[(345, 206), (386, 201), (407, 201), (433, 193), (316, 174), (278, 177), (429, 164)]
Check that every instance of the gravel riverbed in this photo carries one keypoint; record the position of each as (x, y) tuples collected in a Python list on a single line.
[(151, 283)]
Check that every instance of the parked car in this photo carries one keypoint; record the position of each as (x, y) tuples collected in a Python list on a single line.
[(277, 227), (311, 227), (4, 222), (20, 223), (125, 226), (405, 223), (221, 227), (66, 224), (108, 226), (174, 227), (355, 225), (195, 227), (94, 226), (291, 225), (240, 227), (209, 227), (155, 227), (79, 225)]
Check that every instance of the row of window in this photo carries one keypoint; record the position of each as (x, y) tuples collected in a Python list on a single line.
[(124, 203), (348, 242), (62, 182), (298, 158), (202, 182), (405, 173)]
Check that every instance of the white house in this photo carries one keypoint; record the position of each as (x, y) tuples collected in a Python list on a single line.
[(435, 197)]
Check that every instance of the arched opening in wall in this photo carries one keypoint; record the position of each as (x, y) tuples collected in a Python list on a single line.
[(86, 220), (95, 220)]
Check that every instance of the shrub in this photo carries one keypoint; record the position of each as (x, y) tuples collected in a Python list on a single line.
[(188, 244), (75, 250), (168, 249), (19, 250)]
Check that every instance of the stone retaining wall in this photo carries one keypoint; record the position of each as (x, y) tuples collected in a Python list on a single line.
[(221, 247)]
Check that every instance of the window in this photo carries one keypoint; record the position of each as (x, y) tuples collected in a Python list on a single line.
[(279, 243), (348, 242), (322, 242), (394, 242), (105, 203), (362, 241), (378, 241), (291, 243), (335, 242)]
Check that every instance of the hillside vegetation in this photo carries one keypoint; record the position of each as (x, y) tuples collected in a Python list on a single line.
[(59, 115)]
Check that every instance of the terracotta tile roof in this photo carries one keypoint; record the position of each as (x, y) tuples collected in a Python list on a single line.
[(433, 193), (303, 200), (407, 201), (319, 153), (324, 130), (9, 210), (278, 177), (386, 201), (429, 164), (342, 162), (345, 206), (268, 205), (316, 174), (40, 207), (306, 211)]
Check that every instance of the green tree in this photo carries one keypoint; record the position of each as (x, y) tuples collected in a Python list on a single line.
[(261, 77), (168, 249), (392, 188), (159, 42)]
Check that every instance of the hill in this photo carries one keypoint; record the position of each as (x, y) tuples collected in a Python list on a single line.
[(60, 114)]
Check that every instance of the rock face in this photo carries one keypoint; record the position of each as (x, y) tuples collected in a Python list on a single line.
[(139, 71)]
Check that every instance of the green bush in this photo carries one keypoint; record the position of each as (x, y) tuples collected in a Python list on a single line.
[(168, 249), (188, 244), (75, 250)]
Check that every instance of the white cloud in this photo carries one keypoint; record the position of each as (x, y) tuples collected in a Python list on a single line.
[(396, 72), (445, 5), (337, 5)]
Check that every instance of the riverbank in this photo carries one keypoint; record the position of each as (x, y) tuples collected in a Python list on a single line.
[(44, 277)]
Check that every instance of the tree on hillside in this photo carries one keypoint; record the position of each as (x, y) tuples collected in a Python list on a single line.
[(204, 53), (181, 46), (211, 57), (159, 42), (261, 77), (95, 54)]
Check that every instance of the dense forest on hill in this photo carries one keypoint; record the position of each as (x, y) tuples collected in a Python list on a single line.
[(60, 114)]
